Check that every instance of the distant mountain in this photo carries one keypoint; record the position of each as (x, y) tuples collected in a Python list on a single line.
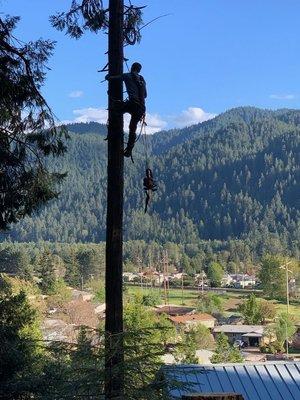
[(89, 127), (235, 176)]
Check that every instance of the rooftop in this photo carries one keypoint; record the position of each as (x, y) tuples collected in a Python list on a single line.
[(174, 310), (239, 329), (182, 319), (260, 381)]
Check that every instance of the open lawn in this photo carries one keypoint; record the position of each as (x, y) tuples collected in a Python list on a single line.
[(175, 295), (231, 300)]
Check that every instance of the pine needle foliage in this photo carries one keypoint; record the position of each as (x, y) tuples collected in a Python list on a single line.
[(28, 132), (93, 16)]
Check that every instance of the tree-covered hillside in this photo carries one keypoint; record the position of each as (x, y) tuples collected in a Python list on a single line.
[(237, 175)]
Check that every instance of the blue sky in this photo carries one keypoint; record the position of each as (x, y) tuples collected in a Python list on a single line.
[(204, 58)]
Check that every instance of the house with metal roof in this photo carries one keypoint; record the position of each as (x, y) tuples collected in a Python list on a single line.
[(265, 381), (252, 335)]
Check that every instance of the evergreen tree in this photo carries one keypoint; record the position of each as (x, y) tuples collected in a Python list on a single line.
[(46, 269), (186, 350), (87, 364), (16, 261), (27, 127), (88, 263), (236, 174), (224, 353), (251, 311), (20, 353), (72, 276)]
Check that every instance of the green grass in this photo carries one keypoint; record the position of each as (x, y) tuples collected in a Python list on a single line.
[(231, 300), (293, 309), (175, 295)]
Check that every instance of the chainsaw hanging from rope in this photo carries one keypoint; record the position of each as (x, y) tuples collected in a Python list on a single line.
[(149, 184), (149, 187)]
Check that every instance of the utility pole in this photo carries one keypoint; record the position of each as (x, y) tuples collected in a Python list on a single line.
[(140, 264), (182, 289), (285, 267), (114, 355), (165, 261)]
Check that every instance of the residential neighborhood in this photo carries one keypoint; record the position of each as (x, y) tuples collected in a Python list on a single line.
[(64, 323)]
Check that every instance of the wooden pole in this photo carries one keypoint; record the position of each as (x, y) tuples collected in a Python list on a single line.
[(114, 222), (182, 289), (165, 279)]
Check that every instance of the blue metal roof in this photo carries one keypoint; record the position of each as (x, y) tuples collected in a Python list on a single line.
[(265, 381)]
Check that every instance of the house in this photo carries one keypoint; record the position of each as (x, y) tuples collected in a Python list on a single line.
[(201, 279), (227, 280), (129, 276), (174, 310), (243, 280), (179, 275), (252, 335), (192, 320), (259, 381)]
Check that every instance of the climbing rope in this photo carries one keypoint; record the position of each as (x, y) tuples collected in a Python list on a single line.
[(149, 183)]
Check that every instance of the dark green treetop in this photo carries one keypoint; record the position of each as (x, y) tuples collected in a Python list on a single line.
[(27, 126)]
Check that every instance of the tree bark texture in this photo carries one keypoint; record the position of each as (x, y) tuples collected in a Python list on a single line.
[(114, 228)]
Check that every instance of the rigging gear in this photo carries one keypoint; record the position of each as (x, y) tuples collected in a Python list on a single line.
[(149, 187), (149, 184)]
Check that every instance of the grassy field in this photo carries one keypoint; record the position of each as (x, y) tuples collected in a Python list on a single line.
[(231, 300), (175, 295)]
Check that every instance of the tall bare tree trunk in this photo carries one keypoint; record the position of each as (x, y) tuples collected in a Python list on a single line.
[(114, 228)]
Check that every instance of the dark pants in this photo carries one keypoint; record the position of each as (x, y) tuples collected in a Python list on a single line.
[(137, 111)]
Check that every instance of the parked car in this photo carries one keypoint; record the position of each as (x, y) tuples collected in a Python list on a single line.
[(240, 344)]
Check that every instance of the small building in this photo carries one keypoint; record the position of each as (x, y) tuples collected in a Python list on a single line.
[(174, 310), (129, 276), (227, 280), (191, 320), (252, 335), (243, 280), (259, 381)]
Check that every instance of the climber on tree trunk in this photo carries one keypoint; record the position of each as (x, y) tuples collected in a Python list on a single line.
[(135, 105)]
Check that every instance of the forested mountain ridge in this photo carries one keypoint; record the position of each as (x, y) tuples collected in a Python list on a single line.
[(236, 175)]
